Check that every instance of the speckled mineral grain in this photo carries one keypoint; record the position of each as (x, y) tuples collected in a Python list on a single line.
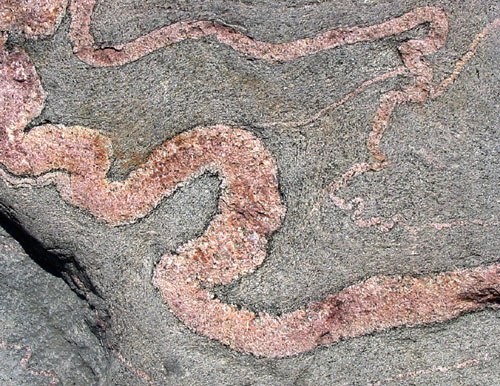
[(265, 224)]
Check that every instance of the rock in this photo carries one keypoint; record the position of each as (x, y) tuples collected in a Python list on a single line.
[(339, 191), (46, 329)]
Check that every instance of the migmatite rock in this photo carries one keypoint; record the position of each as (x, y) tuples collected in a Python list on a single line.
[(275, 177)]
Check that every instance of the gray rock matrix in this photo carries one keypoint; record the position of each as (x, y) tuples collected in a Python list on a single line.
[(77, 304)]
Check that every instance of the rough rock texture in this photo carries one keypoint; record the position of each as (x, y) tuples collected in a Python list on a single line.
[(384, 153), (47, 335)]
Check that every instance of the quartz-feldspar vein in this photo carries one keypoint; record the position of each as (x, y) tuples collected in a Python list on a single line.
[(76, 160), (24, 363), (86, 48), (33, 18), (376, 304)]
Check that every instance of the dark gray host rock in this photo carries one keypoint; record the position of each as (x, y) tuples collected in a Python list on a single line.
[(78, 306)]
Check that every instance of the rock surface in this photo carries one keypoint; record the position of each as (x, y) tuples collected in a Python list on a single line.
[(46, 331), (434, 207)]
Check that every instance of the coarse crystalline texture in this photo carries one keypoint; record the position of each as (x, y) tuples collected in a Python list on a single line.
[(76, 160), (33, 18)]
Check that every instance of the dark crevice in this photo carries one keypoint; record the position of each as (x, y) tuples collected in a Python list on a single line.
[(61, 264), (48, 261)]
